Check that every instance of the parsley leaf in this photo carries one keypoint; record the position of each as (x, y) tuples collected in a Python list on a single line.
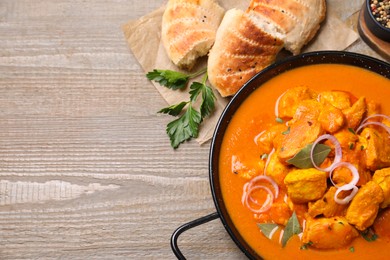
[(169, 78), (185, 127), (172, 79), (208, 97), (174, 110)]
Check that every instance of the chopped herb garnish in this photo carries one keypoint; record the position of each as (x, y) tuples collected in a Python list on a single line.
[(351, 130), (306, 245), (351, 146), (286, 132), (369, 235), (264, 156), (352, 249), (279, 120), (302, 159)]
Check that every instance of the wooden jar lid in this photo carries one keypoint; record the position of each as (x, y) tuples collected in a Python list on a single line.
[(377, 44)]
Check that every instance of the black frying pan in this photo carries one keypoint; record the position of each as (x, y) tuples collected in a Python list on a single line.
[(334, 57)]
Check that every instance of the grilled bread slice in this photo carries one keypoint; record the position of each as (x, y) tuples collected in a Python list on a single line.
[(298, 19), (244, 45), (189, 28)]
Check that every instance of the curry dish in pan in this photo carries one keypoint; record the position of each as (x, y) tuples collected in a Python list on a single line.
[(305, 164)]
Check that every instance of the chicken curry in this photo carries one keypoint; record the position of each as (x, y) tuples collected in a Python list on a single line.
[(305, 165)]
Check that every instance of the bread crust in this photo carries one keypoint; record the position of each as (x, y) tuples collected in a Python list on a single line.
[(244, 45), (189, 28), (299, 19)]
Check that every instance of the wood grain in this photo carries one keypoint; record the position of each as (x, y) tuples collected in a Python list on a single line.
[(86, 170)]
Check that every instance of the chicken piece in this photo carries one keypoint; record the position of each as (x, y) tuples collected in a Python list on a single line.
[(304, 185), (303, 130), (373, 108), (247, 171), (338, 99), (277, 170), (342, 175), (382, 177), (355, 113), (353, 152), (347, 139), (364, 206), (382, 224), (329, 233), (279, 213), (331, 118), (377, 148), (326, 206), (290, 100), (265, 140)]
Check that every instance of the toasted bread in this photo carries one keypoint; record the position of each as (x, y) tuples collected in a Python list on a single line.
[(189, 28), (245, 44), (298, 19)]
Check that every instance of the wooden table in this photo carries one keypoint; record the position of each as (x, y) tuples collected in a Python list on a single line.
[(86, 169)]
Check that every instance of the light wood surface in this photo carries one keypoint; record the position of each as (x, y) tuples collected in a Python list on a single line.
[(86, 169)]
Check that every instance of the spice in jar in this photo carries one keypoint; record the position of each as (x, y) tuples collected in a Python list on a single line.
[(381, 11)]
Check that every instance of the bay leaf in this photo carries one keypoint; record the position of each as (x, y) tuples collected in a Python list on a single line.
[(267, 228), (292, 228), (302, 158)]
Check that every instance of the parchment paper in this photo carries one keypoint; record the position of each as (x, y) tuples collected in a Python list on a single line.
[(143, 38)]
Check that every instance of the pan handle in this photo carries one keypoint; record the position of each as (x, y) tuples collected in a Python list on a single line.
[(185, 227)]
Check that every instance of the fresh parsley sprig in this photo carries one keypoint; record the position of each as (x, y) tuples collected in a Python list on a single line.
[(186, 126), (172, 79)]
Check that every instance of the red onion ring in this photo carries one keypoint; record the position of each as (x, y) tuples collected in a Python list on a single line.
[(351, 167), (376, 115), (258, 136), (267, 178), (244, 193), (373, 123), (347, 199), (365, 123), (267, 203), (277, 105), (337, 148), (251, 186)]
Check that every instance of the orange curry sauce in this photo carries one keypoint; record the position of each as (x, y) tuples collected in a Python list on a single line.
[(254, 115)]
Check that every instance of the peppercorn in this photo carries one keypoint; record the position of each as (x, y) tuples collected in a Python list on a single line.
[(381, 11)]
